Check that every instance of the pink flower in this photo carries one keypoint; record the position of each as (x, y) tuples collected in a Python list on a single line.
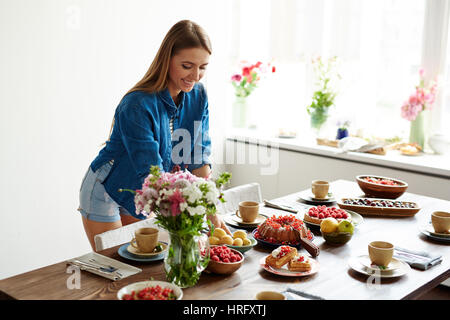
[(175, 199), (236, 77)]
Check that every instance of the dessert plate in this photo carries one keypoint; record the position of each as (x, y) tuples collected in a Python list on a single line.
[(284, 271), (136, 252), (357, 219), (124, 253), (356, 264), (393, 265)]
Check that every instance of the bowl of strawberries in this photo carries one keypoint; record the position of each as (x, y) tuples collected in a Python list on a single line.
[(224, 260)]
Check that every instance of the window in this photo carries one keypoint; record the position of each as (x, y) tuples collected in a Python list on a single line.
[(380, 45)]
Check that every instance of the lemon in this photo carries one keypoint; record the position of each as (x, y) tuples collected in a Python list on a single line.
[(214, 240), (227, 239), (237, 242), (240, 234), (219, 233)]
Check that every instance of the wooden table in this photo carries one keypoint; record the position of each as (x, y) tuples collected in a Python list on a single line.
[(335, 280)]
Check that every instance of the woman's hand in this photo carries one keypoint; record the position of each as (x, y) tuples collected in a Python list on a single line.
[(217, 221), (202, 172)]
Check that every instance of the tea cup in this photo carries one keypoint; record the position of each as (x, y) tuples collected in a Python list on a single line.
[(248, 211), (270, 295), (320, 188), (441, 221), (145, 239), (381, 252)]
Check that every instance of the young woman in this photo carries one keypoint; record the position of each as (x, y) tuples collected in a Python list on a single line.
[(169, 99)]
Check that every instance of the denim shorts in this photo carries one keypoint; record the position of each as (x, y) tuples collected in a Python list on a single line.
[(95, 202)]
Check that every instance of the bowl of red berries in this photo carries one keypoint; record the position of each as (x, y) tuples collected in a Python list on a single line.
[(150, 290), (224, 260), (381, 187)]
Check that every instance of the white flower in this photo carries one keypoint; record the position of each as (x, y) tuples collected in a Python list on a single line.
[(198, 210), (192, 193)]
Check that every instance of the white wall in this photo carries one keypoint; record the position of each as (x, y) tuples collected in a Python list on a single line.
[(64, 66)]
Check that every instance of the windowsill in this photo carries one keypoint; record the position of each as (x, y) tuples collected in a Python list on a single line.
[(428, 163)]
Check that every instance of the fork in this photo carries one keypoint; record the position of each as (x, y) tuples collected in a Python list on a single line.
[(109, 268)]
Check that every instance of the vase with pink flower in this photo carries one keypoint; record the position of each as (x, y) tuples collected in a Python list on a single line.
[(182, 202), (245, 82), (416, 107)]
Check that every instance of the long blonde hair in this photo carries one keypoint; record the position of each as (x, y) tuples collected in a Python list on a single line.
[(183, 35)]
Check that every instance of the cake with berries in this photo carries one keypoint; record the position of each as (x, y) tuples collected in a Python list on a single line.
[(282, 230), (299, 263), (281, 256), (317, 214)]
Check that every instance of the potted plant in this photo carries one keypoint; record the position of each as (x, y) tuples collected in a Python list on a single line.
[(342, 131), (325, 94)]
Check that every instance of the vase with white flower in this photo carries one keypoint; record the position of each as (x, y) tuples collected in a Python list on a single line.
[(415, 107), (182, 202)]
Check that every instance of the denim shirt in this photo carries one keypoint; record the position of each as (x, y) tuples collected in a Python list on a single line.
[(141, 137)]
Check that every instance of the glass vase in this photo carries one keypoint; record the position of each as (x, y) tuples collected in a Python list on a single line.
[(186, 258), (240, 112), (318, 118), (417, 130)]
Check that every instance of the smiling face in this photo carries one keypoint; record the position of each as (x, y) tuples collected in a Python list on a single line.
[(186, 68)]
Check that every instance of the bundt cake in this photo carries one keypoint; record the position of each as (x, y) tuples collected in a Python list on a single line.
[(282, 230)]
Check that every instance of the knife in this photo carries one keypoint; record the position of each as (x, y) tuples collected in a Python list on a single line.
[(309, 246), (280, 206)]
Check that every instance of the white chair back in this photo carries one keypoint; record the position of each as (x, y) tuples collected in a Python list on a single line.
[(232, 196), (125, 234)]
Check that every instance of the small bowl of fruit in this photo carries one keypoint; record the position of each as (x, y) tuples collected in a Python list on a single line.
[(224, 260), (381, 187), (336, 232), (238, 241)]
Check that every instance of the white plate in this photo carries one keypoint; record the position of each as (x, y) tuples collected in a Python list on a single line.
[(144, 284), (259, 219), (284, 271), (355, 264), (393, 265)]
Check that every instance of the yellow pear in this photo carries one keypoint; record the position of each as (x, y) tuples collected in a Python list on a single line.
[(329, 225)]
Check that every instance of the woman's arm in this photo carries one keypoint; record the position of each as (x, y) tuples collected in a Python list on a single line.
[(202, 172)]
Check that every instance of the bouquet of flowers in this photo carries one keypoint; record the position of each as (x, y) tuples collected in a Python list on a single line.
[(247, 79), (422, 99), (181, 202)]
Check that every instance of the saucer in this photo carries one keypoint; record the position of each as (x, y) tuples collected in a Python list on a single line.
[(136, 252), (124, 253), (435, 236), (430, 229), (393, 265), (308, 197), (327, 198), (355, 264), (259, 219)]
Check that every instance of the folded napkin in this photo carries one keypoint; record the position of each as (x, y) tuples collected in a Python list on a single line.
[(417, 259), (104, 266)]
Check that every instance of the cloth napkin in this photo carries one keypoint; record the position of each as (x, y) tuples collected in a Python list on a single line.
[(417, 259)]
